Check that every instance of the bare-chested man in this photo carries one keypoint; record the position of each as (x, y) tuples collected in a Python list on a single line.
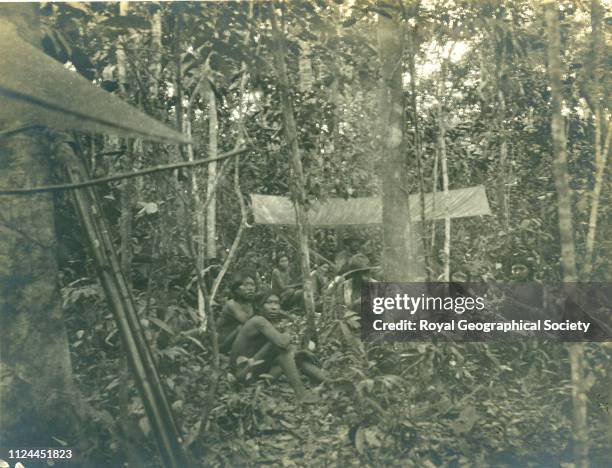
[(237, 310), (290, 295), (260, 340)]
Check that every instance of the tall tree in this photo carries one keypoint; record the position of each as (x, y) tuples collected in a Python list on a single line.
[(125, 228), (295, 159), (441, 145), (211, 211), (568, 258), (399, 249), (564, 208), (38, 400), (417, 141), (595, 96)]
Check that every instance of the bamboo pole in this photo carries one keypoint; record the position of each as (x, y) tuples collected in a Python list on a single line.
[(121, 302)]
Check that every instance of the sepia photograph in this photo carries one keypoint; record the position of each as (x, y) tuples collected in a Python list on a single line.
[(306, 233)]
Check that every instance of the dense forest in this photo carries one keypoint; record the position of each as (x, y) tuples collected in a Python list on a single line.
[(121, 238)]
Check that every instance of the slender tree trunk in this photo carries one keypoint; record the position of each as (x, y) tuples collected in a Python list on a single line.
[(602, 128), (305, 68), (125, 220), (400, 260), (211, 212), (198, 213), (299, 181), (121, 59), (434, 190), (568, 260), (418, 147), (334, 89), (155, 67), (502, 182), (560, 146), (503, 161), (444, 164), (447, 218), (601, 157), (182, 204), (125, 249)]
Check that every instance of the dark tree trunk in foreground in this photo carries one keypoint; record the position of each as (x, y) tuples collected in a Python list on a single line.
[(37, 394), (400, 260), (38, 400)]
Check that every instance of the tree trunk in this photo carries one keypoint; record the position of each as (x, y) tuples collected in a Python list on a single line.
[(305, 68), (37, 393), (211, 212), (418, 148), (155, 67), (125, 220), (127, 195), (399, 256), (198, 213), (560, 146), (602, 128), (181, 203), (503, 179), (568, 260), (299, 181), (601, 157), (38, 399), (434, 190), (443, 161)]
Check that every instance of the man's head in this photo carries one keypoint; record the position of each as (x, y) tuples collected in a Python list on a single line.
[(283, 262), (251, 257), (243, 287), (353, 243), (268, 303), (520, 272), (358, 267)]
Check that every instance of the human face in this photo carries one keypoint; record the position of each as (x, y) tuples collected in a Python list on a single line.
[(247, 289), (283, 263), (519, 272), (272, 305), (354, 246)]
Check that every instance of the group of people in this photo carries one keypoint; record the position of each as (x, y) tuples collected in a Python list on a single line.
[(332, 283), (249, 326)]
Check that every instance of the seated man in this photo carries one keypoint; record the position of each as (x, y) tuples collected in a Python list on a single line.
[(237, 310), (352, 246), (320, 278), (290, 295), (260, 340), (345, 290)]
